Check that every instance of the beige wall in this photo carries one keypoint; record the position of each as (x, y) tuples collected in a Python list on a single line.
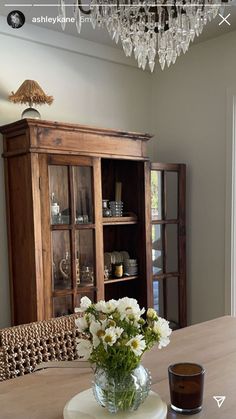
[(87, 90), (189, 121)]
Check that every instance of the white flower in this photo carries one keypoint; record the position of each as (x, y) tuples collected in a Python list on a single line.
[(129, 309), (100, 306), (111, 323), (84, 348), (137, 345), (81, 324), (89, 318), (111, 306), (111, 336), (152, 314), (162, 329), (98, 331), (118, 331), (85, 303), (106, 307)]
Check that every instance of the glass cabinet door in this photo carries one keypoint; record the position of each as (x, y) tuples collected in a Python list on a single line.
[(84, 244), (59, 193), (71, 196), (61, 265), (83, 200), (168, 242), (157, 253)]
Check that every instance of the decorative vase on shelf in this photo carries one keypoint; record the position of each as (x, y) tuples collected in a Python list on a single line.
[(124, 392)]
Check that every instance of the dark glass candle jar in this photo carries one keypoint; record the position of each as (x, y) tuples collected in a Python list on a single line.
[(117, 270), (186, 382)]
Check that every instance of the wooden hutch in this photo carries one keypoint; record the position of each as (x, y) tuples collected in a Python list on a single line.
[(56, 177)]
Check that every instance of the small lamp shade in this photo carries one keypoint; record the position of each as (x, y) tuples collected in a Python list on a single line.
[(32, 94)]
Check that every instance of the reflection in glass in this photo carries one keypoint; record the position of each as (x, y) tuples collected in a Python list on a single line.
[(156, 203), (84, 242), (172, 295), (157, 257), (171, 248), (62, 306), (61, 267), (158, 297), (83, 194), (172, 301), (90, 295), (171, 195), (59, 194)]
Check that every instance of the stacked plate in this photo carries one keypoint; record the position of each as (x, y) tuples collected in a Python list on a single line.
[(131, 267), (116, 208)]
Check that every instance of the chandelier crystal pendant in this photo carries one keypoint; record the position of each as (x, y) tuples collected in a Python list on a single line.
[(148, 28)]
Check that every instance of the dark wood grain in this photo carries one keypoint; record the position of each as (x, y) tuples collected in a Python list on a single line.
[(46, 235), (24, 246), (9, 236), (13, 128), (64, 138)]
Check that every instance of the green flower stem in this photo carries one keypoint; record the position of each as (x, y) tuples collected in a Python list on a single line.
[(124, 400)]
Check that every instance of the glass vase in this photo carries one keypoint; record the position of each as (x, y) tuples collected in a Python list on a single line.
[(124, 392)]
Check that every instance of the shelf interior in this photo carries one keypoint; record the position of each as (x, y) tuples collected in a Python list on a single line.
[(126, 219), (115, 280), (125, 233)]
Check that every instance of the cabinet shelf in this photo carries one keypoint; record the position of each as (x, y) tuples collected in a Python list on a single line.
[(126, 219), (84, 288), (55, 227), (69, 291), (157, 277), (62, 292), (126, 278)]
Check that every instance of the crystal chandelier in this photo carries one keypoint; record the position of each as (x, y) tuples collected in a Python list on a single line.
[(148, 27)]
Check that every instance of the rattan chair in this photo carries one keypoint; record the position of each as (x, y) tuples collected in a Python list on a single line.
[(24, 348)]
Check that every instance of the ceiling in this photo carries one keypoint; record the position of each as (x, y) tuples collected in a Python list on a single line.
[(100, 35)]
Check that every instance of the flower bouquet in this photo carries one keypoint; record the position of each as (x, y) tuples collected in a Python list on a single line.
[(115, 337)]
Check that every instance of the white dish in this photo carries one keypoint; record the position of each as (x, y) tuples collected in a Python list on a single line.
[(125, 256), (84, 406)]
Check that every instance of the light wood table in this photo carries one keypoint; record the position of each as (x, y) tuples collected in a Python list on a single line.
[(42, 395)]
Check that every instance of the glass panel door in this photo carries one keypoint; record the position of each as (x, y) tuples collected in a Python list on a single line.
[(61, 265), (62, 306), (82, 179), (157, 254), (156, 194), (168, 241), (166, 299), (84, 244), (71, 195), (59, 194)]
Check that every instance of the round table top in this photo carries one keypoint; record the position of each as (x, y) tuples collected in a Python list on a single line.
[(84, 406)]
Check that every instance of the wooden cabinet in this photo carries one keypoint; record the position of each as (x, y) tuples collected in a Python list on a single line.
[(56, 178)]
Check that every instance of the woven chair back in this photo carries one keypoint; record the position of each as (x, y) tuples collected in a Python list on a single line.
[(23, 347)]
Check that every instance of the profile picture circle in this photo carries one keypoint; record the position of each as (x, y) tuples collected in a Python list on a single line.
[(16, 19)]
